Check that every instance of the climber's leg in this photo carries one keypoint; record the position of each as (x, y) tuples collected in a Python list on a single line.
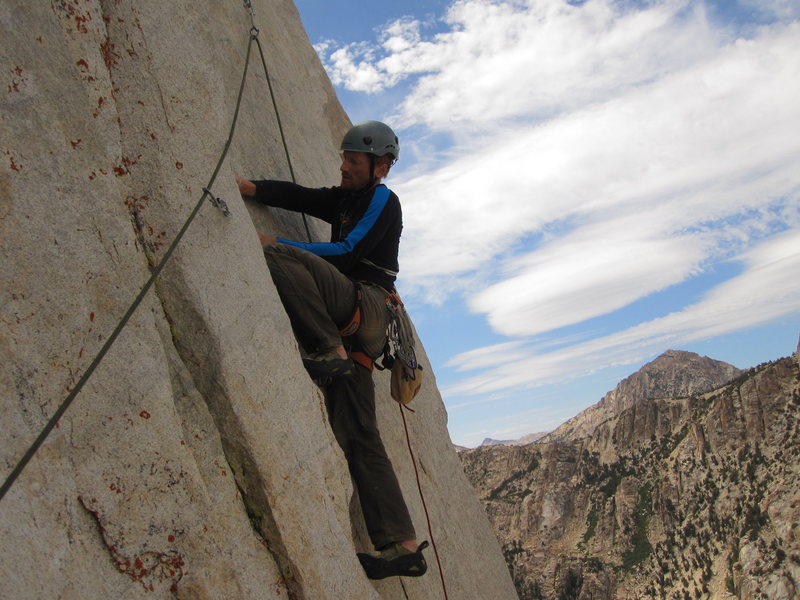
[(317, 299), (351, 406)]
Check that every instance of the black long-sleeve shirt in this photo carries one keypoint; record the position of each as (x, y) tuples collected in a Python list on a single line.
[(365, 226)]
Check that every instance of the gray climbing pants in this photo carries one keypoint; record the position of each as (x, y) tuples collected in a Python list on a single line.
[(319, 300)]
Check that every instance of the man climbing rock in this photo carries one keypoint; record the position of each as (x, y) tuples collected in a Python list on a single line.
[(335, 296)]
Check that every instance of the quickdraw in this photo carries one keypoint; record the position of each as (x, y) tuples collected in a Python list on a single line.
[(401, 335)]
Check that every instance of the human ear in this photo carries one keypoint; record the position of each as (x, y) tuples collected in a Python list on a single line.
[(381, 170)]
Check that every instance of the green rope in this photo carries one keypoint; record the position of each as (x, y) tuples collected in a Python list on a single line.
[(132, 308), (280, 126)]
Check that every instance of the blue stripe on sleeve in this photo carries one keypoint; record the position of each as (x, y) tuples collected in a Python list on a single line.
[(376, 205)]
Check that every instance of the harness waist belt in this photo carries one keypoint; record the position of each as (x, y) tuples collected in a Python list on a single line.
[(362, 359)]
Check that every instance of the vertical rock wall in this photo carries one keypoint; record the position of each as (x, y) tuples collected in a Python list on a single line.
[(197, 461)]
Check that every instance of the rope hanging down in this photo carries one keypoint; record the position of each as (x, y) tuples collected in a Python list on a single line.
[(249, 5), (254, 36), (132, 308), (422, 498)]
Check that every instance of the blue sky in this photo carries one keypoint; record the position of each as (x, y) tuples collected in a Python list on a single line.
[(585, 185)]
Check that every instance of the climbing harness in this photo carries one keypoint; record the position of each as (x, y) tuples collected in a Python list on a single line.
[(217, 202), (362, 358), (406, 371), (354, 324), (352, 327)]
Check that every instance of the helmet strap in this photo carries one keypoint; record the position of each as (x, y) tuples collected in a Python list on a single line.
[(371, 170)]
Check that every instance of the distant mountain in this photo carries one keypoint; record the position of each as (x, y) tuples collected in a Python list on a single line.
[(491, 442), (674, 374), (681, 484), (525, 439)]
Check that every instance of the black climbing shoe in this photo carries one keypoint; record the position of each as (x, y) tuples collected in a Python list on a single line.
[(322, 365), (410, 564)]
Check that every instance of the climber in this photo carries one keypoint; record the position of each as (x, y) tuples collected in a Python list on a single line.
[(335, 296)]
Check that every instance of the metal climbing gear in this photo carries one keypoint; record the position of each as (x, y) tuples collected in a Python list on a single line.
[(218, 202), (406, 377), (249, 6), (401, 333)]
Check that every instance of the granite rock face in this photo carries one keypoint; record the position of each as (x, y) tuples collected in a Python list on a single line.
[(197, 461)]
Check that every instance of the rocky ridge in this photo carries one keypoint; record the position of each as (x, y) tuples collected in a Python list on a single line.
[(197, 462), (674, 374), (525, 439), (681, 498)]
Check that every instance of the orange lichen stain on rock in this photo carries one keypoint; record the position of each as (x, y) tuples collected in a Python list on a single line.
[(83, 67), (100, 101), (137, 203), (12, 162), (149, 568), (81, 21), (129, 162), (17, 79), (110, 54), (81, 18)]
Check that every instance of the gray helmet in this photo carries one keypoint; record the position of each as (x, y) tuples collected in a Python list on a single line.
[(372, 137)]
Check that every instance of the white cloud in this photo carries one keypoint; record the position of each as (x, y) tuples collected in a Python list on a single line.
[(602, 151), (765, 291), (401, 36), (488, 356), (498, 60), (503, 60), (370, 67), (622, 198), (361, 76), (586, 275)]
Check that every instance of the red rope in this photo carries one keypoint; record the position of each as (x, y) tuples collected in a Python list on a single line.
[(421, 497)]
